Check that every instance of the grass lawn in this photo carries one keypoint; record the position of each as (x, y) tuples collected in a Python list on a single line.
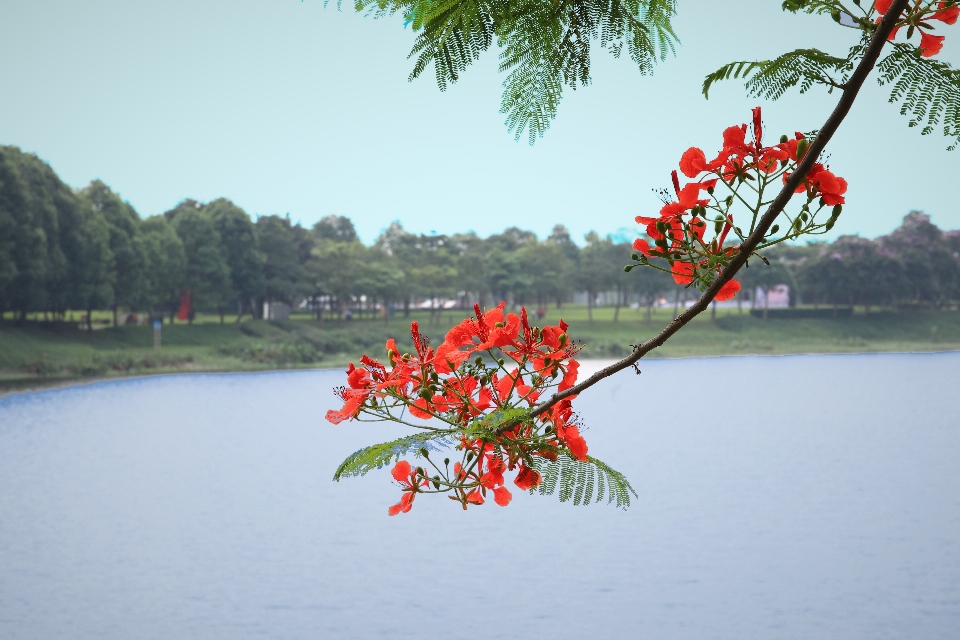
[(38, 354)]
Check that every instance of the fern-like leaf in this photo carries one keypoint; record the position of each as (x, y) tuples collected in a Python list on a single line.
[(578, 480), (770, 79), (928, 90), (548, 45), (377, 456)]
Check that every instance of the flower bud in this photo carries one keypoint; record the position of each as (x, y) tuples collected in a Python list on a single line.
[(628, 268), (836, 211), (774, 228), (424, 452), (446, 462), (802, 146)]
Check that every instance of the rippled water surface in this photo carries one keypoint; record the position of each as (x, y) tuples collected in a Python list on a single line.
[(793, 497)]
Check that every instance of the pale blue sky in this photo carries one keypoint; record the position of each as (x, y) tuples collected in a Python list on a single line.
[(284, 106)]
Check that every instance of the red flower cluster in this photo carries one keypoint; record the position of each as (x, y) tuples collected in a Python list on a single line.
[(678, 232), (468, 384), (919, 18)]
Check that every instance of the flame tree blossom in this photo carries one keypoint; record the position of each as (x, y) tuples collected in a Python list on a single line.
[(475, 390), (745, 174), (920, 18)]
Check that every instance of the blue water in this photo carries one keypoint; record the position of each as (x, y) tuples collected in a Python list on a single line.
[(791, 497)]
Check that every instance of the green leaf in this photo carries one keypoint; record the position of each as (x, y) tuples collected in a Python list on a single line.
[(578, 480), (770, 79), (544, 45), (377, 456), (928, 90)]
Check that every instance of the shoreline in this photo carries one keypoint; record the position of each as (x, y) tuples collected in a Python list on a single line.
[(588, 366)]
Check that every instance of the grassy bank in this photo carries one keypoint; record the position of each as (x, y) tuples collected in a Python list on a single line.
[(37, 353)]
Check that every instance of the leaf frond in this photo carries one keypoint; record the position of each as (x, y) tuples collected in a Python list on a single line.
[(928, 90), (580, 481), (377, 456), (770, 79)]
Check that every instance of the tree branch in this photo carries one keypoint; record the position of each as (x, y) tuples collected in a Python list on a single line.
[(850, 91)]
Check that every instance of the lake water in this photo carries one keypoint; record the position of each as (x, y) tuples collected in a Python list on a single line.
[(787, 497)]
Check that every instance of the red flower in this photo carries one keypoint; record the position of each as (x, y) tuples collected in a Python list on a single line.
[(682, 272), (502, 496), (757, 127), (642, 246), (728, 290), (693, 162), (407, 477), (405, 504), (882, 6), (947, 14), (830, 187), (570, 376), (930, 45), (528, 478)]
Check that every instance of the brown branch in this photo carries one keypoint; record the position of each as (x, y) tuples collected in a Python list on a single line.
[(850, 91)]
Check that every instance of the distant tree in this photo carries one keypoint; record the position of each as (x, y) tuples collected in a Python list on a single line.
[(650, 285), (126, 244), (560, 237), (546, 265), (400, 247), (57, 254), (282, 244), (335, 269), (379, 279), (853, 271), (336, 228), (430, 263), (759, 275), (931, 269), (207, 274), (594, 271), (23, 240), (187, 204), (166, 264), (239, 243)]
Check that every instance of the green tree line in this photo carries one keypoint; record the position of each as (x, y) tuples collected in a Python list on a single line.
[(87, 249)]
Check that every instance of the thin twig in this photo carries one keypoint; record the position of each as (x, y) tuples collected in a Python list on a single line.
[(850, 91)]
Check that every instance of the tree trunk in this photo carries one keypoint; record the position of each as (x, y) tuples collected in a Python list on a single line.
[(114, 313), (676, 303), (220, 310), (590, 306), (713, 311), (89, 319), (766, 302), (740, 302), (406, 307), (616, 311), (650, 311)]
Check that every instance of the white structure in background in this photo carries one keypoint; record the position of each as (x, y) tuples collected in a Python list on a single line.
[(276, 311), (779, 297), (438, 303)]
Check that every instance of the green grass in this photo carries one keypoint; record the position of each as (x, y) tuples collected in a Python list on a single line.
[(37, 354)]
